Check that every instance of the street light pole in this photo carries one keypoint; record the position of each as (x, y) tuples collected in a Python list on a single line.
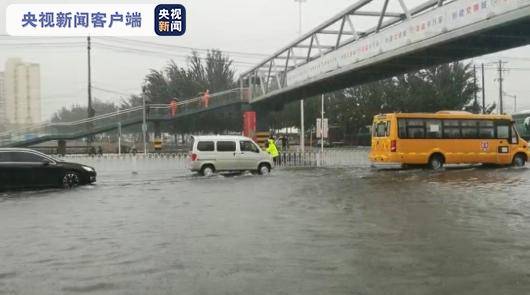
[(144, 126), (322, 129), (302, 129)]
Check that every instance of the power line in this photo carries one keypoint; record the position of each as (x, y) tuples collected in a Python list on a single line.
[(169, 46), (111, 91), (167, 51), (159, 54)]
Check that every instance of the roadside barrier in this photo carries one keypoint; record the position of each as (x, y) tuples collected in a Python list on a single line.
[(347, 157)]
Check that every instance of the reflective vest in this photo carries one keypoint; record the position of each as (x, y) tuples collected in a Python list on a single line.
[(272, 150)]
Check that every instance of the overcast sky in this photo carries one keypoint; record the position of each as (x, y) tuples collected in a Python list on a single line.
[(248, 29)]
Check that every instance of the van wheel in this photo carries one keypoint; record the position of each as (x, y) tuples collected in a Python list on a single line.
[(436, 162), (264, 169), (70, 179), (207, 170), (519, 160)]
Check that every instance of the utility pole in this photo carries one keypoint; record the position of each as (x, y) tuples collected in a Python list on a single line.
[(501, 110), (322, 130), (302, 129), (144, 125), (483, 91), (89, 109), (475, 103)]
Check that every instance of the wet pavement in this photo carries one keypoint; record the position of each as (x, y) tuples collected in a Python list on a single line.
[(297, 231)]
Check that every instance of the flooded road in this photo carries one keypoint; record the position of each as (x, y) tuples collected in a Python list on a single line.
[(297, 231)]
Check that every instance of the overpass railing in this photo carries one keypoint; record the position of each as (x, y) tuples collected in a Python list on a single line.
[(125, 117)]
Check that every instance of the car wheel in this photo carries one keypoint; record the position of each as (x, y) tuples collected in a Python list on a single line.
[(207, 170), (264, 169), (518, 161), (436, 162), (70, 179)]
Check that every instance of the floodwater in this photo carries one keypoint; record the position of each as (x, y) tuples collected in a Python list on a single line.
[(297, 231)]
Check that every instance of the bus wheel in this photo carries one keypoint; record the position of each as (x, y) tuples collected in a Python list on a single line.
[(436, 162), (519, 160)]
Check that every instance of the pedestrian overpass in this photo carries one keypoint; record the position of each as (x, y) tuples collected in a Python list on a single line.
[(337, 54), (121, 118)]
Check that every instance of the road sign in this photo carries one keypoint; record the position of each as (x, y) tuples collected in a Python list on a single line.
[(322, 126)]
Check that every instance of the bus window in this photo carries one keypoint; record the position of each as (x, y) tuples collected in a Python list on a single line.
[(515, 136), (503, 131), (451, 129), (434, 128), (402, 124), (469, 128), (416, 128), (486, 129), (382, 129)]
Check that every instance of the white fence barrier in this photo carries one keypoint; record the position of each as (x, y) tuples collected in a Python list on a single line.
[(353, 157)]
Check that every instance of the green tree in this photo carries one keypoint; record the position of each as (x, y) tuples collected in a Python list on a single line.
[(214, 73)]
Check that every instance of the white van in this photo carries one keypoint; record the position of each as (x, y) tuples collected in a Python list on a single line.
[(227, 153)]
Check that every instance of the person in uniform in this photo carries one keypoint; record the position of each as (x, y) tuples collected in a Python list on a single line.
[(272, 150)]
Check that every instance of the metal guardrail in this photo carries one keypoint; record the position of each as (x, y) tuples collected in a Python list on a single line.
[(109, 121), (347, 157)]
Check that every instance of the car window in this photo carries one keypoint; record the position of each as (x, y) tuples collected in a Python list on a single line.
[(5, 157), (226, 146), (205, 146), (248, 146), (26, 157)]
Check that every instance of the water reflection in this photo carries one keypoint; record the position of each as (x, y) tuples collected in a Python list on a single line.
[(311, 231)]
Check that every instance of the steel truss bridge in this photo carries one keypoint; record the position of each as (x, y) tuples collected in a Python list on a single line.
[(339, 54)]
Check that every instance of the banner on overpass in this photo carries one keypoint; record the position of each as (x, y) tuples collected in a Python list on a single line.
[(450, 17)]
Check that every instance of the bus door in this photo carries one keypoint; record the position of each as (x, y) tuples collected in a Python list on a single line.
[(503, 142), (381, 142)]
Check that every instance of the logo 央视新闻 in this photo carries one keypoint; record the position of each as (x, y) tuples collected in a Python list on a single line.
[(170, 20)]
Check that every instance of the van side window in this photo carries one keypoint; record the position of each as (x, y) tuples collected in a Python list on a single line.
[(226, 146), (248, 146), (205, 146)]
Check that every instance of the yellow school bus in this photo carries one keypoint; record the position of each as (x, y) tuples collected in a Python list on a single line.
[(446, 137)]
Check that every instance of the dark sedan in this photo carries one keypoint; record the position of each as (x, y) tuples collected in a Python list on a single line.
[(25, 168)]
